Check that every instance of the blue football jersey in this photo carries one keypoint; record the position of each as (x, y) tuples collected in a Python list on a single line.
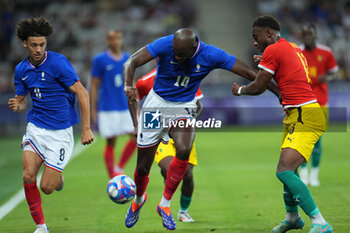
[(48, 84), (110, 70), (179, 82)]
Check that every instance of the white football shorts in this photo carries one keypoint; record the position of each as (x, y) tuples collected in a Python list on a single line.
[(54, 147), (158, 116), (114, 123)]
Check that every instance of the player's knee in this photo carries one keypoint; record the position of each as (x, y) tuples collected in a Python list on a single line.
[(29, 178), (183, 153), (164, 172), (46, 188)]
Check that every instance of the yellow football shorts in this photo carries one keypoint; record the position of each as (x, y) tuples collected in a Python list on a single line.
[(303, 126), (165, 150), (326, 113)]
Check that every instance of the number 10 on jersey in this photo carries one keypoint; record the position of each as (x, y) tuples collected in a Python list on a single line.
[(182, 81)]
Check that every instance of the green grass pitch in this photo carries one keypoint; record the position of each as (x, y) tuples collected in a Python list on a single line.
[(235, 188)]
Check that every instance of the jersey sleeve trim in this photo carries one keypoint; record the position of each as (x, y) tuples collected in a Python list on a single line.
[(267, 69), (199, 97), (151, 51), (334, 69)]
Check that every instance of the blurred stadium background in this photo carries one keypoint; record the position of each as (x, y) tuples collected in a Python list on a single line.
[(81, 25), (80, 29)]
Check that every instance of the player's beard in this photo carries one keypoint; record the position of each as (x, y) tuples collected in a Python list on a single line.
[(264, 46)]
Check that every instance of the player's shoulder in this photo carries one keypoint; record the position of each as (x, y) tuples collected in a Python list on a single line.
[(209, 51), (165, 40), (54, 55), (208, 48), (100, 55), (21, 66), (271, 49), (126, 55), (324, 48)]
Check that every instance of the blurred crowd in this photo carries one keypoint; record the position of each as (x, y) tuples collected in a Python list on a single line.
[(80, 27), (331, 18)]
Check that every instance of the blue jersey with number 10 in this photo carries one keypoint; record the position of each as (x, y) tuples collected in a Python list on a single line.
[(109, 70), (177, 82)]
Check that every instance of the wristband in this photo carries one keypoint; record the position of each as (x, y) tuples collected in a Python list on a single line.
[(126, 88), (239, 92)]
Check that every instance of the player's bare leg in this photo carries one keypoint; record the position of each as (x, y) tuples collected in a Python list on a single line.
[(296, 193), (50, 180), (31, 164), (164, 165), (183, 140), (145, 157)]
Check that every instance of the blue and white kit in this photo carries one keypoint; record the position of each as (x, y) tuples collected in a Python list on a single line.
[(113, 112), (178, 82), (49, 131)]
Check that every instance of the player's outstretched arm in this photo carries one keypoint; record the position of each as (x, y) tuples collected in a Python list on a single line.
[(17, 104), (249, 73), (257, 87), (133, 108), (136, 60), (95, 83), (83, 96)]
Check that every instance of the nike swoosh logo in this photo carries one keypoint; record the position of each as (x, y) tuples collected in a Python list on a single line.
[(24, 78), (323, 230), (109, 67), (59, 163), (175, 63)]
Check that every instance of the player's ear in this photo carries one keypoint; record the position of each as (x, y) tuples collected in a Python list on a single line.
[(268, 32), (25, 43)]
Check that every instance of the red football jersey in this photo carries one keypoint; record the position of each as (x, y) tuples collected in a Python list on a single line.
[(288, 65), (320, 61), (145, 84)]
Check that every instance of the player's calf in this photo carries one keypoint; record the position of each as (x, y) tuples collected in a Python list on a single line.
[(60, 183)]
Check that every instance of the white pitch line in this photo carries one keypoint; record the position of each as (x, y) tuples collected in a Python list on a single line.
[(8, 206)]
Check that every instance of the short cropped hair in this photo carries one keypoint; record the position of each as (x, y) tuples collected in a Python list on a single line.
[(309, 26), (33, 27), (267, 21)]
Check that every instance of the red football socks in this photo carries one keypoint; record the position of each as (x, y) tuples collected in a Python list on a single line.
[(176, 172), (34, 201), (128, 151), (141, 183), (109, 160)]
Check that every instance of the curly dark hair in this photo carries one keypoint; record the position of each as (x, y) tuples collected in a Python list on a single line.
[(33, 27), (267, 21)]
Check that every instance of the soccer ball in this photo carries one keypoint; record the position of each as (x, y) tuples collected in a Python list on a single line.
[(121, 189)]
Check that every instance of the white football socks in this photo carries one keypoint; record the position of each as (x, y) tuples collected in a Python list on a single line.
[(41, 226), (292, 217), (164, 202), (139, 200), (318, 219)]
